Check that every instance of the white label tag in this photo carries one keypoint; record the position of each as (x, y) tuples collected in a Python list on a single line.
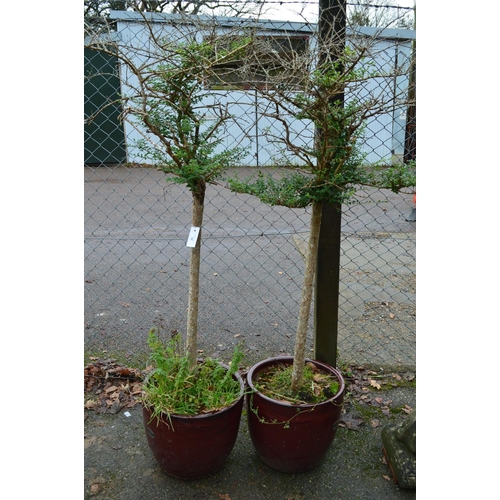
[(193, 236)]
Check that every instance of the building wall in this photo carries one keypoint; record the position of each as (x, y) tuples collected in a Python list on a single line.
[(384, 138)]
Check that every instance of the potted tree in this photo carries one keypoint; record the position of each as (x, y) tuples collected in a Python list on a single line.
[(295, 403), (192, 408)]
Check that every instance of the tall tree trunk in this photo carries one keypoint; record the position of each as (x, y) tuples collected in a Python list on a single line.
[(194, 282), (307, 293)]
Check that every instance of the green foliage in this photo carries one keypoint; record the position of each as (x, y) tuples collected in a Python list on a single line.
[(223, 50), (336, 74), (189, 131), (173, 389), (289, 191), (395, 177), (332, 182), (299, 190), (335, 164)]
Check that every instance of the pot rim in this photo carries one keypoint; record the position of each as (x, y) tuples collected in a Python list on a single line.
[(180, 416), (279, 359)]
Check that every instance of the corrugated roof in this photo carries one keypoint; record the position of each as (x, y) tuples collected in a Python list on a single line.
[(273, 24)]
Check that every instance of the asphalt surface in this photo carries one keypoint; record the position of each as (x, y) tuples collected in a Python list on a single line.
[(136, 270)]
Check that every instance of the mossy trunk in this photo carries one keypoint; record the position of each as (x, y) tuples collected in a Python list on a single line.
[(307, 294), (194, 281)]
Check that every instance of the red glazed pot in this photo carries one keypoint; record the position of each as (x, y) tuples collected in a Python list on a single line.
[(193, 447), (292, 438)]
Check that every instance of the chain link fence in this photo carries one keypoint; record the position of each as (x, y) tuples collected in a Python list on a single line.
[(137, 224)]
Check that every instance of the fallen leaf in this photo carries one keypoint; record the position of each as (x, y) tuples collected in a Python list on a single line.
[(136, 389), (90, 404), (314, 368), (123, 371), (124, 388), (116, 407), (387, 478), (375, 423), (351, 423), (95, 487), (224, 497), (90, 383), (392, 316), (113, 388), (375, 384)]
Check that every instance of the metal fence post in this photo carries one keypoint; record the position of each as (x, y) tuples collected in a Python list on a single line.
[(332, 26)]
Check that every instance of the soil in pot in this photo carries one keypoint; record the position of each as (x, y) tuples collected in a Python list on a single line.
[(291, 434), (194, 446)]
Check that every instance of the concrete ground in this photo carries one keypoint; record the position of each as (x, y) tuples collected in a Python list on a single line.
[(119, 464)]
